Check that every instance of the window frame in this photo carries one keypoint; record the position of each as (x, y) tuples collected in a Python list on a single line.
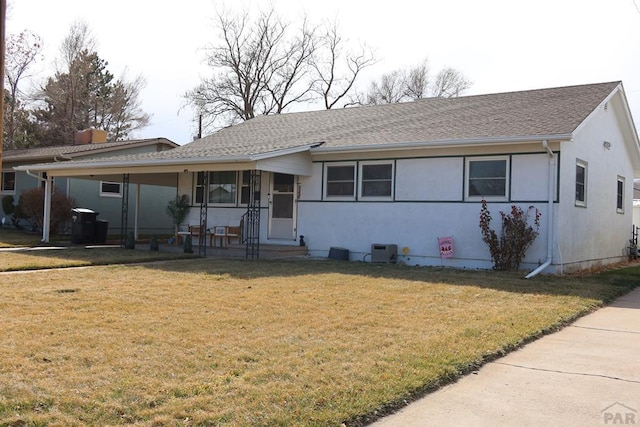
[(104, 193), (582, 203), (620, 194), (326, 181), (468, 178), (4, 190), (243, 187), (361, 180), (196, 185)]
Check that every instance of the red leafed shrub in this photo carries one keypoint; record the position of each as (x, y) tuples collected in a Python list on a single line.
[(31, 204), (516, 236)]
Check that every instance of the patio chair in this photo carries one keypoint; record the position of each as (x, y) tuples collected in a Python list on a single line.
[(183, 231), (218, 232), (194, 231), (234, 232)]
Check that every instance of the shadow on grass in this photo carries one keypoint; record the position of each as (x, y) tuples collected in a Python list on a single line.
[(79, 256), (604, 286)]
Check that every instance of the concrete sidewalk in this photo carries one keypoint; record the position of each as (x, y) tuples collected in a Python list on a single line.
[(587, 374)]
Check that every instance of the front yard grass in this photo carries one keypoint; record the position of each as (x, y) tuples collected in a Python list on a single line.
[(79, 257), (66, 255), (273, 343)]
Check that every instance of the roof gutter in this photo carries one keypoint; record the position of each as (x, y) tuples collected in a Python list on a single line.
[(445, 143), (549, 259), (164, 162), (36, 176)]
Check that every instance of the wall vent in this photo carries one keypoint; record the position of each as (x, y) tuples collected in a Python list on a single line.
[(384, 252)]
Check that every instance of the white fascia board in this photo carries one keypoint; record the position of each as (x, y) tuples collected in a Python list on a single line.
[(447, 143), (595, 110), (283, 152), (172, 165)]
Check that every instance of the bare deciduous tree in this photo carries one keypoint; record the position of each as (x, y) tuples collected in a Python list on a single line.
[(263, 65), (336, 69), (260, 68), (22, 51), (449, 83), (389, 90), (415, 83)]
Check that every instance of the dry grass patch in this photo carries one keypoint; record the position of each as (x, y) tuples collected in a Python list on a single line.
[(205, 342), (79, 257)]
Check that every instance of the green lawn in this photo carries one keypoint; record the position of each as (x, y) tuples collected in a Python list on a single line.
[(274, 343)]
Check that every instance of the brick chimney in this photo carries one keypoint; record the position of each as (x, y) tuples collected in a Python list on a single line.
[(90, 136)]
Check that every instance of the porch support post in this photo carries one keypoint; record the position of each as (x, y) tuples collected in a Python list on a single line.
[(204, 204), (137, 213), (46, 220), (251, 232), (124, 216)]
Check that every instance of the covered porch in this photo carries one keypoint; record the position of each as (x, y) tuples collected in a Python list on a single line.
[(259, 198)]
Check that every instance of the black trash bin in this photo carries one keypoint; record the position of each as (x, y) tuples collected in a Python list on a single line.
[(101, 228), (83, 223)]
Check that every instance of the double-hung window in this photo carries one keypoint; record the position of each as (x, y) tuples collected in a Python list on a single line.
[(8, 182), (376, 180), (487, 178), (581, 183), (340, 180), (620, 195)]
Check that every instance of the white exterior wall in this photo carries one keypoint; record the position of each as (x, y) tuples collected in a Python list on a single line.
[(429, 203), (596, 234)]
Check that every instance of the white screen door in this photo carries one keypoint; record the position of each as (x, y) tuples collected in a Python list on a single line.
[(282, 207)]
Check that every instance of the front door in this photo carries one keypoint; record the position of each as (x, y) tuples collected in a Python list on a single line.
[(282, 207)]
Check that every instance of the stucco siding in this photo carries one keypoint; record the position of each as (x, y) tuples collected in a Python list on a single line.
[(429, 179), (413, 225), (530, 177), (428, 203), (596, 233)]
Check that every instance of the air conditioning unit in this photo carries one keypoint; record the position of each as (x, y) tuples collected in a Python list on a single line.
[(384, 253)]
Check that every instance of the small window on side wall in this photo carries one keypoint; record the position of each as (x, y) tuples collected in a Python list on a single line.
[(487, 178), (110, 189), (620, 195), (8, 182), (581, 183)]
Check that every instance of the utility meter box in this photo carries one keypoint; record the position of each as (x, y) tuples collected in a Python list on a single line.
[(384, 253)]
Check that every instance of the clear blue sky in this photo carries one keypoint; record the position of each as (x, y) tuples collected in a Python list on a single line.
[(500, 45)]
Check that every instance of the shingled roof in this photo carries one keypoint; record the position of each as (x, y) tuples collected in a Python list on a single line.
[(65, 152), (533, 113)]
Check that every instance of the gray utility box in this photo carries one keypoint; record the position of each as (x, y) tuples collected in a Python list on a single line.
[(384, 252)]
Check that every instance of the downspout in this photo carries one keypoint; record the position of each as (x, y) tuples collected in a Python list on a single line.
[(46, 220), (549, 259)]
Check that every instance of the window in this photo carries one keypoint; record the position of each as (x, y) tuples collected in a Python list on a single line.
[(110, 189), (620, 195), (222, 187), (341, 180), (245, 191), (377, 179), (581, 183), (8, 182), (487, 178)]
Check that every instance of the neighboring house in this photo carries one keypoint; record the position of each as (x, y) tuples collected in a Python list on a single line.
[(406, 174), (102, 196)]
